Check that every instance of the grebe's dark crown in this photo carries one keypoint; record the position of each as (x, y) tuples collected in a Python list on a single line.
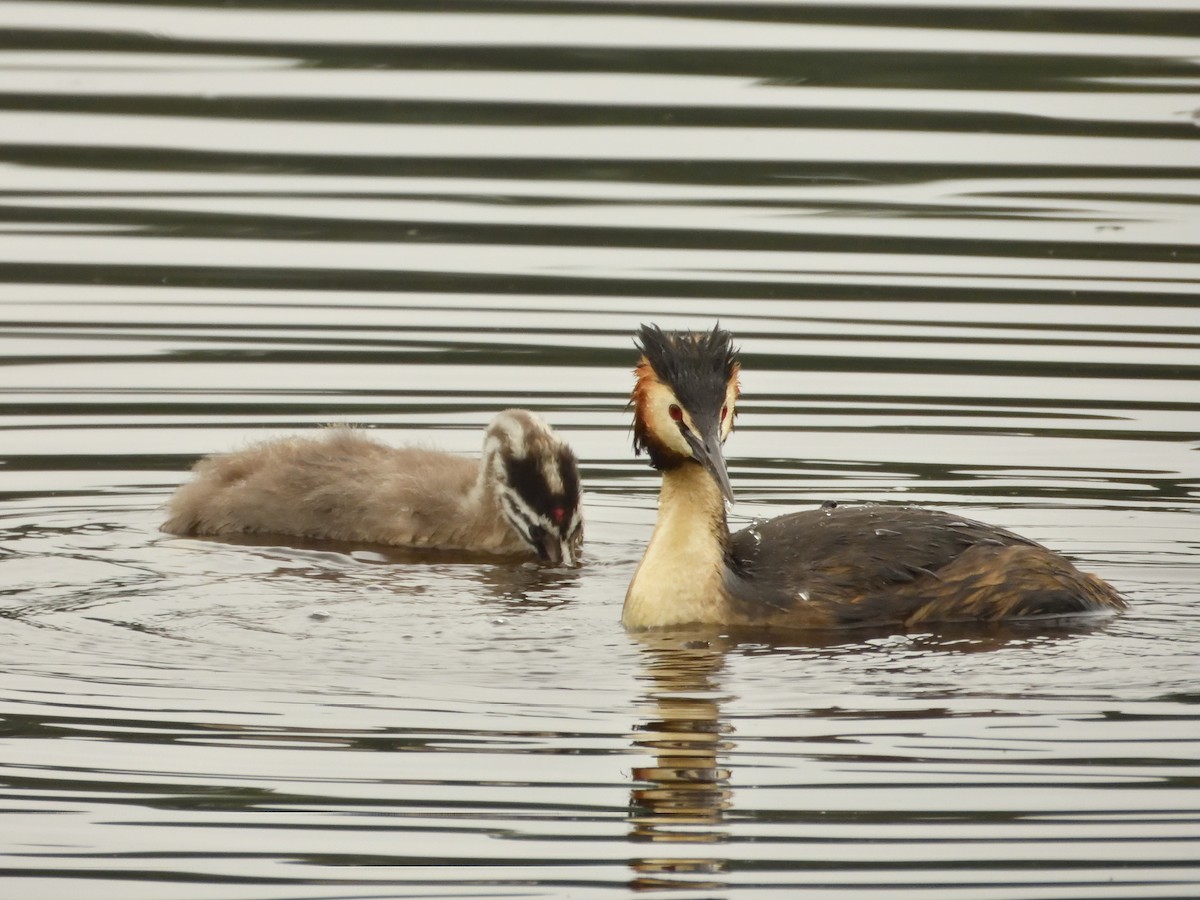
[(698, 367), (702, 360)]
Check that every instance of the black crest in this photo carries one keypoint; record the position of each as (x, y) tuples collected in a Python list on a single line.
[(707, 358), (697, 366)]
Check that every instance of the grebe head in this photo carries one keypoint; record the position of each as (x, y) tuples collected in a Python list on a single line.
[(536, 480), (685, 399)]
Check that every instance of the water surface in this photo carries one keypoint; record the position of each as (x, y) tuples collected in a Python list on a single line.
[(958, 245)]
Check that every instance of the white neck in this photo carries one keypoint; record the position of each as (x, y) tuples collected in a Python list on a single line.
[(679, 580)]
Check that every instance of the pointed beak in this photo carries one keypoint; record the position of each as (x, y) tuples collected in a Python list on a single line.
[(706, 448), (551, 549), (557, 551)]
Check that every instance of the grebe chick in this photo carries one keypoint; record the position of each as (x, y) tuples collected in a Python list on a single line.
[(522, 497), (838, 566)]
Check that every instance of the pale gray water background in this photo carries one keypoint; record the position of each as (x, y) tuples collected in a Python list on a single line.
[(960, 247)]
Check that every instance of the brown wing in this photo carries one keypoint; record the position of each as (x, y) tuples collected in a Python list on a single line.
[(845, 565)]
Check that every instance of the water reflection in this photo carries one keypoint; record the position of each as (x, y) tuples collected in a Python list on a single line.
[(685, 793), (511, 582), (680, 809)]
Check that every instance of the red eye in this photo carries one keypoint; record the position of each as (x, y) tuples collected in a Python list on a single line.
[(676, 413)]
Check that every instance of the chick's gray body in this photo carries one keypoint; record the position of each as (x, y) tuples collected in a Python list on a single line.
[(343, 484)]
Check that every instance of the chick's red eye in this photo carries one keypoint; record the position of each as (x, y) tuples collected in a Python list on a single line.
[(676, 413)]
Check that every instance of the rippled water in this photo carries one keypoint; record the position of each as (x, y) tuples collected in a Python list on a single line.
[(960, 248)]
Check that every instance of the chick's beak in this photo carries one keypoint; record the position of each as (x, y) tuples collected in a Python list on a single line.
[(550, 549), (556, 550), (706, 449)]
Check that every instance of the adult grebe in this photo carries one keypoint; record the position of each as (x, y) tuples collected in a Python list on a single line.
[(522, 497), (837, 566)]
